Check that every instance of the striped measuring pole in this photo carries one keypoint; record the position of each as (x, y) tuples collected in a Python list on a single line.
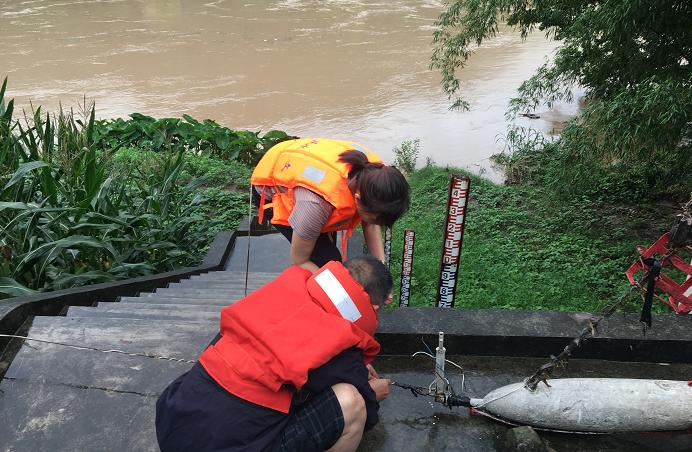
[(406, 267), (453, 235)]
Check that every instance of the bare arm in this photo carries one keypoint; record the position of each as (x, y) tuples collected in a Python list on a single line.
[(373, 239), (301, 249), (381, 387)]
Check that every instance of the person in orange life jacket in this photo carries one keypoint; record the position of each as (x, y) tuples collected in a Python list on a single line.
[(290, 369), (311, 188)]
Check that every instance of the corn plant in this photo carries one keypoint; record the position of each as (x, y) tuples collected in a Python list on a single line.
[(69, 216)]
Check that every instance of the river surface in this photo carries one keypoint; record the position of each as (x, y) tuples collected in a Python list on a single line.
[(355, 70)]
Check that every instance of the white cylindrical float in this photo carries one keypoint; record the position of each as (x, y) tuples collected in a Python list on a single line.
[(600, 405)]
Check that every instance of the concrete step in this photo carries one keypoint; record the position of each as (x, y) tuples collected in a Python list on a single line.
[(269, 253), (220, 301), (58, 398), (38, 417), (234, 276), (228, 274), (196, 292), (153, 313), (55, 364), (106, 306), (215, 284)]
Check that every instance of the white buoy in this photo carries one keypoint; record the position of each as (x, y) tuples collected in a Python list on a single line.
[(603, 405)]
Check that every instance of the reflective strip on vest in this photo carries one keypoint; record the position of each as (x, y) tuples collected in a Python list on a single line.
[(314, 174), (338, 295)]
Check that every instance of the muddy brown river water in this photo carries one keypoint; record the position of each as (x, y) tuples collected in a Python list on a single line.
[(345, 69)]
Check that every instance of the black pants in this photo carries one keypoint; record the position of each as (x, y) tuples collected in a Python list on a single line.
[(325, 248)]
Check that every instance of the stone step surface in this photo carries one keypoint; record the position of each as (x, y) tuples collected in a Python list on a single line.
[(225, 301), (55, 398), (161, 314), (271, 252), (237, 275), (197, 292), (214, 284), (44, 363), (62, 399), (106, 306)]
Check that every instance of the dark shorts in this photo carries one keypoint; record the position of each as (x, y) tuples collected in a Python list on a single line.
[(195, 413), (315, 425)]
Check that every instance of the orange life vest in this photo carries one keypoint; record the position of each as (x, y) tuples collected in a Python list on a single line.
[(298, 322), (312, 163)]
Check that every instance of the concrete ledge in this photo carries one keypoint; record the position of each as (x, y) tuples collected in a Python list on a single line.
[(15, 311), (534, 334)]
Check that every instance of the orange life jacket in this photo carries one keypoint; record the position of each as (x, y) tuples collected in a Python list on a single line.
[(312, 163), (298, 322)]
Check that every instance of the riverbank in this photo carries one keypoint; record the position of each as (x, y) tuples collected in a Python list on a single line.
[(523, 248), (120, 199)]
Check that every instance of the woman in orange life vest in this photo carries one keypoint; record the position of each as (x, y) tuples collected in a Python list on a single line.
[(311, 188)]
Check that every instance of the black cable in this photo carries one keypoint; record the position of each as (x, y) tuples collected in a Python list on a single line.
[(654, 270)]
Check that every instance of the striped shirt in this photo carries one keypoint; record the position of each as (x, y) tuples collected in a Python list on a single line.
[(310, 213)]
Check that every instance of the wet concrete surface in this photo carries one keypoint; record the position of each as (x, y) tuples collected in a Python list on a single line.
[(409, 423), (56, 398)]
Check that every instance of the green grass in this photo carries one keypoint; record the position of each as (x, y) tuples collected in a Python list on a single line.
[(524, 249)]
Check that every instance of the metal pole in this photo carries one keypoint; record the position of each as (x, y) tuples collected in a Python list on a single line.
[(440, 381), (453, 235), (406, 267), (387, 246)]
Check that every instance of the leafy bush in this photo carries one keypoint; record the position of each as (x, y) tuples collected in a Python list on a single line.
[(218, 173), (406, 154), (206, 137), (632, 58), (73, 212)]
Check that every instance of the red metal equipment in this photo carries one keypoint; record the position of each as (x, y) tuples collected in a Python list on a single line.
[(668, 252)]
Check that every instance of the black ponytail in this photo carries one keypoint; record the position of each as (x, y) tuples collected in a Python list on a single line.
[(359, 163), (383, 189)]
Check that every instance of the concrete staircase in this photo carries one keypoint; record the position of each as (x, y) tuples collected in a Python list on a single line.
[(59, 398), (56, 398)]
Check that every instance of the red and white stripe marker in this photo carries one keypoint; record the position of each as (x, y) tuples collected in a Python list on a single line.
[(453, 235)]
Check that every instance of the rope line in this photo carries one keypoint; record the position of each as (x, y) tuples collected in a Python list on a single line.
[(84, 347), (502, 396), (249, 237)]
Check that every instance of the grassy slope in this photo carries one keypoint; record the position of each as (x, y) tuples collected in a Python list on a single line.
[(523, 250)]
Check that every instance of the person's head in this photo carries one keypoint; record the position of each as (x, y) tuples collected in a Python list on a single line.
[(381, 192), (373, 275)]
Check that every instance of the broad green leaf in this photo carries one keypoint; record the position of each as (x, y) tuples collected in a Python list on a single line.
[(12, 288), (23, 169)]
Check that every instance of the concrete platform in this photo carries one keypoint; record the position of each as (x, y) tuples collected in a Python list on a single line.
[(419, 424), (54, 398)]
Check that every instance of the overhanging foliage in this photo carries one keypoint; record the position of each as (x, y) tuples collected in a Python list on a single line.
[(632, 57)]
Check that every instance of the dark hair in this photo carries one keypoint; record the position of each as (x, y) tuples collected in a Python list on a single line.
[(373, 275), (384, 191)]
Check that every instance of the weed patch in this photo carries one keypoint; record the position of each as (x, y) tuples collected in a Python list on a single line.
[(524, 249)]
